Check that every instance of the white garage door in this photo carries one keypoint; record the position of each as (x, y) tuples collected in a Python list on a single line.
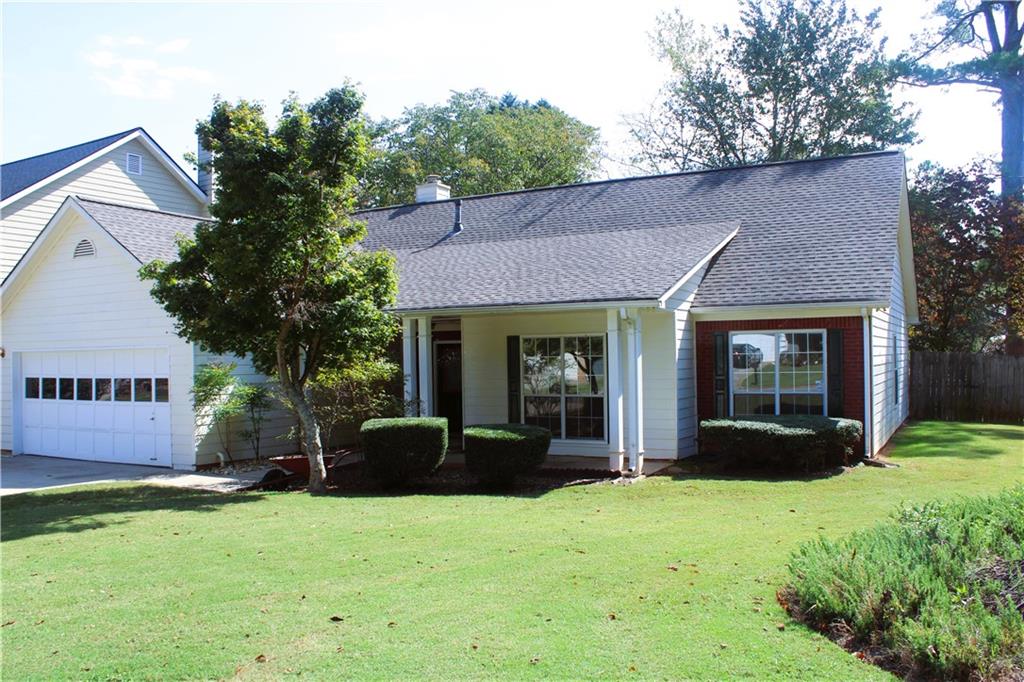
[(108, 406)]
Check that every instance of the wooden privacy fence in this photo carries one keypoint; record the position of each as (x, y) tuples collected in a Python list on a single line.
[(973, 387)]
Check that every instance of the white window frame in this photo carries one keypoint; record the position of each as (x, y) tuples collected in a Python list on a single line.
[(522, 383), (777, 389)]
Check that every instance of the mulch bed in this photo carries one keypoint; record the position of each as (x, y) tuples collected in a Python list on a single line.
[(451, 479)]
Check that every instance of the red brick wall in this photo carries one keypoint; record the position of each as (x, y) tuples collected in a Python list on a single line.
[(853, 359)]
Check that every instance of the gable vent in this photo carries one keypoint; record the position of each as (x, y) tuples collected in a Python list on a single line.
[(134, 164), (84, 249)]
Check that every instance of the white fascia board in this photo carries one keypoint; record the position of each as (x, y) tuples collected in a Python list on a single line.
[(696, 268), (527, 308), (9, 288), (793, 310), (147, 141), (905, 246)]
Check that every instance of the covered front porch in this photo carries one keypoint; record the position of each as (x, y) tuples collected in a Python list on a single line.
[(602, 378)]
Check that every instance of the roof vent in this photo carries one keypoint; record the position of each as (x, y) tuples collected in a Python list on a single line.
[(458, 216), (84, 249), (432, 189), (134, 164)]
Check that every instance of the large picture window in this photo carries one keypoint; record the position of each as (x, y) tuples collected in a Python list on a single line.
[(564, 385), (778, 373)]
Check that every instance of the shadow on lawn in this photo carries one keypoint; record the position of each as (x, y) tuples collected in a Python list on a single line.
[(954, 439), (74, 511)]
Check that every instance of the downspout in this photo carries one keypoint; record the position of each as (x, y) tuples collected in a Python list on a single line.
[(866, 317)]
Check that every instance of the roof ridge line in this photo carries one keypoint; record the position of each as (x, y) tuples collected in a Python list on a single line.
[(653, 176), (72, 146), (139, 208)]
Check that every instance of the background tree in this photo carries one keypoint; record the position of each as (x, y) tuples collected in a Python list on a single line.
[(478, 144), (978, 43), (278, 274), (953, 216), (795, 79)]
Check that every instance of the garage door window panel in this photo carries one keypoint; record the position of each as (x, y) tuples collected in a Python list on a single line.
[(143, 390), (67, 388), (103, 391), (122, 390), (49, 388), (31, 387), (83, 389), (162, 393)]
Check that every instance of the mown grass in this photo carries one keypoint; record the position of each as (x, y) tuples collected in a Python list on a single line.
[(662, 579), (939, 587)]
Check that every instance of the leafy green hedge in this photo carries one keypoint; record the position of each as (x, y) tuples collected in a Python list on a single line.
[(497, 453), (941, 585), (784, 443), (404, 448)]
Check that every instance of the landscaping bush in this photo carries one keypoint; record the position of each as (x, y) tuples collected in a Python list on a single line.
[(401, 449), (784, 443), (497, 453), (940, 586)]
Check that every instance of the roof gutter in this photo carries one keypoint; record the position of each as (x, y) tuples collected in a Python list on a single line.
[(530, 308)]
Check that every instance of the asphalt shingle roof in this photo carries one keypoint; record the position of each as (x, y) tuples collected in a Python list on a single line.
[(809, 232), (17, 175), (147, 235), (821, 231)]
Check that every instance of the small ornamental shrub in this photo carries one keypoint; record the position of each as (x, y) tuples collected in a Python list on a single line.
[(791, 443), (401, 449), (497, 453), (940, 586)]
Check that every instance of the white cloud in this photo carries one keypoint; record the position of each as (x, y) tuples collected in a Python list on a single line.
[(128, 68), (171, 46)]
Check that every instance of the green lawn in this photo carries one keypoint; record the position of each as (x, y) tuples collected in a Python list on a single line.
[(143, 582)]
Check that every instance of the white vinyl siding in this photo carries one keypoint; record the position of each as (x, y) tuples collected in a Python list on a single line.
[(105, 179), (91, 304), (685, 358), (890, 402), (279, 420)]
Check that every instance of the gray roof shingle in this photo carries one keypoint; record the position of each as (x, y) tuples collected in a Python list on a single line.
[(147, 235), (810, 232), (820, 231), (17, 175)]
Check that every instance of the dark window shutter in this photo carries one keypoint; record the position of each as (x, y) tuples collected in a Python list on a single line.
[(835, 372), (721, 374), (513, 380)]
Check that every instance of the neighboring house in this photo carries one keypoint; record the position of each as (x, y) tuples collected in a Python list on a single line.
[(615, 313), (92, 367)]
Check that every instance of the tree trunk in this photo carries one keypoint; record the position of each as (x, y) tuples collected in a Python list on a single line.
[(311, 444), (1012, 139)]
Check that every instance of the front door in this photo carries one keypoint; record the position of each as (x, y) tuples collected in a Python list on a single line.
[(448, 366)]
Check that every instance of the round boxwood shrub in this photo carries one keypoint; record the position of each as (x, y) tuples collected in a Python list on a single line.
[(398, 450), (497, 453)]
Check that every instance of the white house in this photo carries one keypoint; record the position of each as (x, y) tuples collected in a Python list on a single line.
[(615, 313), (92, 367)]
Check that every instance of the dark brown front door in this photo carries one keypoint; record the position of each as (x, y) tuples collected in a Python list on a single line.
[(448, 366)]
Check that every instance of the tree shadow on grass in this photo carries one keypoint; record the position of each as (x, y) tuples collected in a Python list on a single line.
[(76, 510), (954, 439)]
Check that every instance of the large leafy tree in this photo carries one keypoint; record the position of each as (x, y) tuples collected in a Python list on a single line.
[(478, 144), (978, 43), (968, 250), (278, 274), (794, 79)]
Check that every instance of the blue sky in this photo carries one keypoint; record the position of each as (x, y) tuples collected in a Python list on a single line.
[(74, 72)]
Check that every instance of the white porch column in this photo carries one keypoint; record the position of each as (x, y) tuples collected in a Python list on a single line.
[(615, 402), (635, 408), (409, 371), (426, 384)]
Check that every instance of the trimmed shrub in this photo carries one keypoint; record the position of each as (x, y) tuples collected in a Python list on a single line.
[(398, 450), (497, 453), (785, 443), (940, 586)]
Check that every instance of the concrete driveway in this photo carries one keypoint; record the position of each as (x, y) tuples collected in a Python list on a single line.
[(25, 473)]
